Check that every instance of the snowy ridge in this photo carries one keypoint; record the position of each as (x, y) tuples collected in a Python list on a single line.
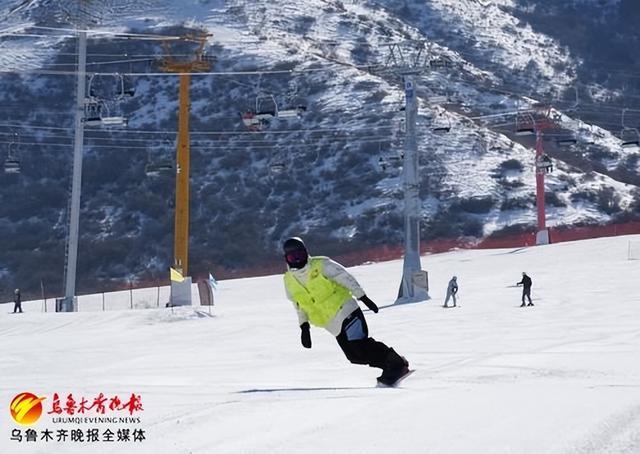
[(499, 32)]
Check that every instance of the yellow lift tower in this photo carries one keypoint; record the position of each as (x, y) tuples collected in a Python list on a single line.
[(181, 285)]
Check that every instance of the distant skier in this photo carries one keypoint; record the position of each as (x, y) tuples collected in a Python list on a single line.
[(17, 301), (452, 289), (526, 288), (323, 294)]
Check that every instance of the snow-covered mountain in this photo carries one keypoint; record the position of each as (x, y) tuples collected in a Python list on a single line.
[(318, 175)]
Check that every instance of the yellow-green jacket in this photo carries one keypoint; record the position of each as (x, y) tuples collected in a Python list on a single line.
[(322, 293)]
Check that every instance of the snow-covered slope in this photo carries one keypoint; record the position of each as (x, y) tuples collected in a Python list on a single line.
[(559, 377)]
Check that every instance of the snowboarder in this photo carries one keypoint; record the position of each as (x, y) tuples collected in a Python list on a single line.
[(17, 300), (323, 292), (452, 289), (526, 288)]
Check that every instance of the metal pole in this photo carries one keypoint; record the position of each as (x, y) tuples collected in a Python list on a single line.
[(181, 246), (74, 216), (542, 236), (409, 291)]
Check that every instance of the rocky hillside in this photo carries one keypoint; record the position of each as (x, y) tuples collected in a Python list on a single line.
[(320, 174)]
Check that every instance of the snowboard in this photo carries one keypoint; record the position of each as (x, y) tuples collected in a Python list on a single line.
[(397, 382)]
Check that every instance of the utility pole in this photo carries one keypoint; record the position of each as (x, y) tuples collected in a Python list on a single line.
[(181, 291), (67, 304), (408, 60)]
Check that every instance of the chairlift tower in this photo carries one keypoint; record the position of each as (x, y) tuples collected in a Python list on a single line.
[(68, 303), (542, 235), (181, 291), (408, 60), (538, 121)]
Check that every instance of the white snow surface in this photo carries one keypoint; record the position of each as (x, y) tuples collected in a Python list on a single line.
[(560, 377)]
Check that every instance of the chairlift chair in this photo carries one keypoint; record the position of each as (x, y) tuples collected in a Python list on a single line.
[(440, 63), (441, 127), (544, 163), (630, 140), (250, 120), (114, 121), (159, 168), (266, 105), (96, 109), (525, 131), (279, 162), (292, 112), (277, 167), (266, 109), (92, 111), (437, 99), (566, 141), (11, 165), (389, 159)]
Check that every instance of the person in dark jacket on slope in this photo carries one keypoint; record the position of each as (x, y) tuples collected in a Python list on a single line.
[(526, 288), (323, 293), (17, 301)]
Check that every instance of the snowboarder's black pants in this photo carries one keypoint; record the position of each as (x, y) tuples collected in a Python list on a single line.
[(356, 344), (526, 292), (17, 307)]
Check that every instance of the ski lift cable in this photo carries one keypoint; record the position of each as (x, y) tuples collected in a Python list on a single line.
[(110, 32), (149, 36), (155, 55), (171, 74), (320, 141), (220, 132), (214, 142), (110, 62), (193, 146)]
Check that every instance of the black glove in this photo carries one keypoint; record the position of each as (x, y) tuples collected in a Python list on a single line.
[(305, 335), (370, 304)]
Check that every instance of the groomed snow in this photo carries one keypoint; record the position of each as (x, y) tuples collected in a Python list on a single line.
[(560, 377)]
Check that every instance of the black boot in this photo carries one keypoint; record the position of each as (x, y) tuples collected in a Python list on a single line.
[(395, 367)]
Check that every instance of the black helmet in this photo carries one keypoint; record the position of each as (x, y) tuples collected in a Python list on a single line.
[(295, 252)]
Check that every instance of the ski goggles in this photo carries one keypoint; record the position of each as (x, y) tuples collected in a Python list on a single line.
[(296, 256)]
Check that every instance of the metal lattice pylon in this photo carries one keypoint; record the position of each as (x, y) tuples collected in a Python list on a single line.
[(408, 60)]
